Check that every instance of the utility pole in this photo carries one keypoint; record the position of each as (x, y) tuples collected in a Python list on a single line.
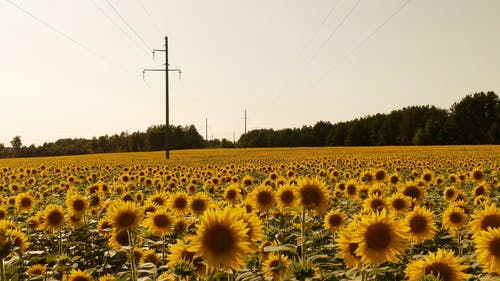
[(245, 121), (206, 129), (167, 124)]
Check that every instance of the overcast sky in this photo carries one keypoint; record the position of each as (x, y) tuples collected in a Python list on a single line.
[(287, 62)]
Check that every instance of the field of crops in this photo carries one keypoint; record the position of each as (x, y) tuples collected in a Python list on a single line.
[(390, 213)]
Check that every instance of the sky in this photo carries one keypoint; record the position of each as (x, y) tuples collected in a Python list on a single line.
[(71, 69)]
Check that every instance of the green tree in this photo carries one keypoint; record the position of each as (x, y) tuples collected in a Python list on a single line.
[(16, 143)]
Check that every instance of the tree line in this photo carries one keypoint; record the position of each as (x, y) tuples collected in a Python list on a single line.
[(473, 120)]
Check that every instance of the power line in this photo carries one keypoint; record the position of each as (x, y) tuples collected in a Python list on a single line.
[(360, 44), (330, 36), (128, 25), (147, 51), (66, 36), (150, 18)]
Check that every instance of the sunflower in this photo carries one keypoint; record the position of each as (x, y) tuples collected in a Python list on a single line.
[(179, 203), (347, 247), (334, 220), (454, 218), (104, 226), (488, 249), (443, 265), (199, 203), (394, 179), (78, 275), (421, 225), (36, 270), (478, 175), (313, 195), (232, 193), (158, 198), (125, 215), (414, 191), (275, 266), (149, 256), (53, 218), (120, 239), (481, 200), (380, 238), (481, 190), (254, 227), (399, 203), (25, 202), (286, 196), (77, 204), (179, 252), (375, 203), (221, 239), (160, 222), (450, 193), (489, 216), (107, 277), (351, 189), (263, 198)]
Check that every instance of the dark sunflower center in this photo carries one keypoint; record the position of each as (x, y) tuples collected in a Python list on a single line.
[(418, 224), (162, 221), (180, 203), (352, 249), (456, 218), (427, 177), (55, 218), (378, 236), (450, 193), (490, 221), (127, 197), (477, 175), (159, 201), (494, 247), (351, 189), (219, 239), (380, 175), (335, 220), (287, 196), (376, 204), (78, 205), (264, 198), (26, 202), (198, 205), (122, 238), (399, 204), (394, 180), (412, 191), (440, 269), (80, 278), (149, 209), (310, 196), (126, 219), (231, 194), (152, 258), (479, 191)]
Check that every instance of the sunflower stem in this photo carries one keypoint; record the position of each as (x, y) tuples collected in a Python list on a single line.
[(163, 248), (460, 248), (2, 270), (131, 254), (302, 235), (60, 242), (363, 274)]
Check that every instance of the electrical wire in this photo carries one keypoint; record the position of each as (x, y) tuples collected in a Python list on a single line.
[(156, 26), (128, 25), (67, 37), (147, 51), (360, 44)]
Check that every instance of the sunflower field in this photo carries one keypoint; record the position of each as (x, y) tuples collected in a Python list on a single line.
[(385, 213)]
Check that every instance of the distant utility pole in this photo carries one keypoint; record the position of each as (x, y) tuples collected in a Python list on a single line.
[(206, 129), (245, 121), (167, 152)]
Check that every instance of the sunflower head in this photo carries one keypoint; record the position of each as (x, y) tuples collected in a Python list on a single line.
[(160, 222), (263, 198), (52, 218), (124, 215), (443, 264), (380, 238), (286, 196), (334, 220), (420, 225), (313, 195), (482, 219), (488, 249)]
